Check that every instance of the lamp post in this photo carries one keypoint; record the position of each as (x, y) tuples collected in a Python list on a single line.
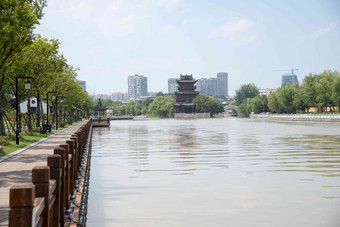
[(27, 87)]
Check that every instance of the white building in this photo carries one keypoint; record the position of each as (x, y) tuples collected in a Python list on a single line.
[(137, 86), (33, 106)]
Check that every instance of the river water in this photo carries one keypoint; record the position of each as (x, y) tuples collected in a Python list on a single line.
[(215, 172)]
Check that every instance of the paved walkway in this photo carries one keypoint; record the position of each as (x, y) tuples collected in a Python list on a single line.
[(18, 169)]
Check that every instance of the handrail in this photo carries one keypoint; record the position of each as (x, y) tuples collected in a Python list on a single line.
[(39, 206), (48, 200)]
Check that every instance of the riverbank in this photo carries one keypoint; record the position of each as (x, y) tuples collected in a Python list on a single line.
[(17, 168), (299, 117)]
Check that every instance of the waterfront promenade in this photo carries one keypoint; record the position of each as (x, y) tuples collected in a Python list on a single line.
[(18, 169)]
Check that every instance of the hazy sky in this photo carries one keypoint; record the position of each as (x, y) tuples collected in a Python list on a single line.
[(109, 40)]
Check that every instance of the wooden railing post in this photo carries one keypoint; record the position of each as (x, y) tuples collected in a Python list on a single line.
[(74, 137), (21, 202), (61, 152), (41, 180), (54, 162), (67, 176), (72, 164)]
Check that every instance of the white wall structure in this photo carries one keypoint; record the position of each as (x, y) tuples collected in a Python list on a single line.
[(34, 105)]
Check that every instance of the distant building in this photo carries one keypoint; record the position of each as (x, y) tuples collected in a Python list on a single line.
[(203, 86), (152, 94), (212, 86), (266, 92), (222, 84), (289, 78), (185, 94), (172, 85), (82, 84), (137, 86), (119, 96)]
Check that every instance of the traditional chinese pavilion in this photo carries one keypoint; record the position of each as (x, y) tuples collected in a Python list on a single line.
[(185, 94), (99, 109), (100, 122)]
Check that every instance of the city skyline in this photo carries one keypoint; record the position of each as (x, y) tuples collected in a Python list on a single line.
[(214, 86), (251, 40)]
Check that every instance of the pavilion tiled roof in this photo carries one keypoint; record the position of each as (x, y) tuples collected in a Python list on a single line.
[(99, 106)]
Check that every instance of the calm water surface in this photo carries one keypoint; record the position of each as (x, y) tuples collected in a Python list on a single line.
[(215, 172)]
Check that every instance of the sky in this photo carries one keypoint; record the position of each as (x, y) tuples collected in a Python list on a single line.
[(253, 41)]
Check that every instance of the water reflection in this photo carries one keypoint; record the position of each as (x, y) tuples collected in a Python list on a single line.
[(138, 144), (318, 154), (214, 171)]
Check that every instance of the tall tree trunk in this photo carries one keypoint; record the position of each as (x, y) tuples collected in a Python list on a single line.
[(2, 125), (29, 119), (38, 111)]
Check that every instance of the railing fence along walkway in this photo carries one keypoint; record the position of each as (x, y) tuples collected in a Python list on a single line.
[(49, 199)]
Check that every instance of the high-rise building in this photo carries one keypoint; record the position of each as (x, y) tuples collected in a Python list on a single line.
[(137, 86), (172, 85), (212, 86), (82, 84), (222, 84), (289, 78), (203, 86)]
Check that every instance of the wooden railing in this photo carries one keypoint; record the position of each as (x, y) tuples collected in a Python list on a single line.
[(47, 200)]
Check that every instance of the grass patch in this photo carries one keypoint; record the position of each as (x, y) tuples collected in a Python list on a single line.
[(25, 139)]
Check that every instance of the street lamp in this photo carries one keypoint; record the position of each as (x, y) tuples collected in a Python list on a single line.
[(27, 87)]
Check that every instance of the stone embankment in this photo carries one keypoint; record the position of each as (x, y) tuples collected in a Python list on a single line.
[(299, 117), (191, 115)]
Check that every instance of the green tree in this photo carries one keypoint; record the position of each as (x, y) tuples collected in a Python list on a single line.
[(336, 90), (323, 87), (246, 91), (162, 106), (18, 19), (273, 103), (208, 104), (41, 61), (114, 107), (309, 90), (159, 94), (255, 105), (121, 110)]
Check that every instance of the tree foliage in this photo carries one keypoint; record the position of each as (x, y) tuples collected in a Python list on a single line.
[(317, 90), (18, 19), (24, 54), (246, 91), (208, 104), (248, 100), (162, 106)]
